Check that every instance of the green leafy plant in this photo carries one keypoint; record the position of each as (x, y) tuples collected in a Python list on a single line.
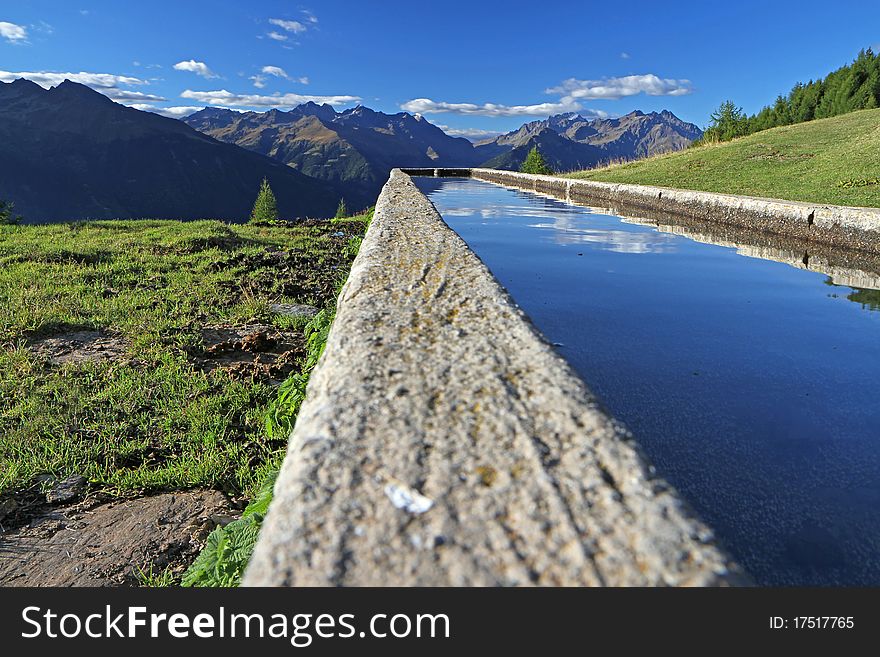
[(265, 207), (535, 163), (228, 549), (282, 411)]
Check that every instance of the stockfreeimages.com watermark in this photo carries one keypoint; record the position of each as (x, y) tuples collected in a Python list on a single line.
[(300, 629)]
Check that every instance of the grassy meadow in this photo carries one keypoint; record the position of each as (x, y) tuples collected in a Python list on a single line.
[(830, 161), (150, 416)]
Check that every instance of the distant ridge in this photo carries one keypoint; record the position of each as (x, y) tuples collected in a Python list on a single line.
[(72, 153), (570, 141), (357, 148)]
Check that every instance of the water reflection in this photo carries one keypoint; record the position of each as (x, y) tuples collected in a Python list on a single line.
[(591, 227), (742, 362), (867, 299)]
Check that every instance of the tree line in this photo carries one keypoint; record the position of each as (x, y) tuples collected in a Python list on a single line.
[(852, 87)]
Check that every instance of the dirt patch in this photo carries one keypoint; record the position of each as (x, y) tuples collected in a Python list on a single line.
[(80, 347), (778, 156), (96, 543), (257, 351), (294, 273)]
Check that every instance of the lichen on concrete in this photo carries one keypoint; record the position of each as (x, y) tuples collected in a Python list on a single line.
[(435, 384)]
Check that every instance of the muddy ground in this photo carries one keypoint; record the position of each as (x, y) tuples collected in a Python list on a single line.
[(105, 543)]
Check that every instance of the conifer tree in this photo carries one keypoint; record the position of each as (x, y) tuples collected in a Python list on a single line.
[(265, 208), (727, 122), (341, 209), (535, 163), (6, 216)]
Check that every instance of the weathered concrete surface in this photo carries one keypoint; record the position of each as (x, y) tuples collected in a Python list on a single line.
[(852, 228), (444, 442)]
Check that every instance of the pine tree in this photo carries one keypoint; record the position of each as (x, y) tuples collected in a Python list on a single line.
[(727, 122), (6, 216), (265, 208), (341, 209), (535, 163)]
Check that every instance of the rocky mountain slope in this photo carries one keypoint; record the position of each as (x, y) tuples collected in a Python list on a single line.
[(569, 141), (71, 153), (355, 149), (358, 147)]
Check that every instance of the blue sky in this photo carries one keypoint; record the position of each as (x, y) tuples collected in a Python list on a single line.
[(471, 66)]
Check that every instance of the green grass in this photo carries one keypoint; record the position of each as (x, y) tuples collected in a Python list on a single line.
[(151, 420), (835, 161), (228, 550)]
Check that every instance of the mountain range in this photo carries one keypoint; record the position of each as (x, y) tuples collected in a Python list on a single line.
[(569, 141), (357, 148), (71, 153)]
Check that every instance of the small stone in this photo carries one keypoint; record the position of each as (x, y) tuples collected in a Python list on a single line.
[(294, 309), (67, 489), (7, 507), (404, 497)]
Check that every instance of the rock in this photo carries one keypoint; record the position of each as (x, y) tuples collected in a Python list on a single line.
[(294, 310), (7, 506), (67, 489)]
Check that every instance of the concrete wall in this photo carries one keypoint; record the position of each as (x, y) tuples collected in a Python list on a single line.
[(852, 228), (444, 442)]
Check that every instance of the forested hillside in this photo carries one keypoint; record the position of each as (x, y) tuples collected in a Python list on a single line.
[(852, 87)]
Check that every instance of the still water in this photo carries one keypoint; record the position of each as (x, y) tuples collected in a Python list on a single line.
[(753, 385)]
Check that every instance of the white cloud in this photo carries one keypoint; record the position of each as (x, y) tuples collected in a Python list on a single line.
[(277, 71), (13, 33), (199, 68), (98, 81), (571, 92), (274, 71), (281, 101), (105, 83), (288, 26), (428, 106), (469, 133), (277, 36), (170, 112), (126, 96), (310, 17), (624, 55), (616, 88)]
